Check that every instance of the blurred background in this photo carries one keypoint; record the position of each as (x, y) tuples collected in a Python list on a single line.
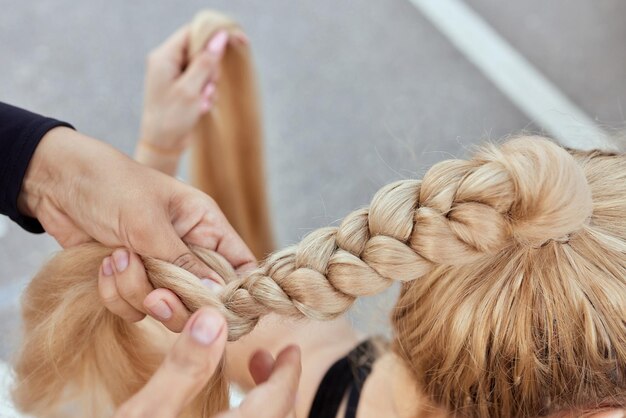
[(356, 93)]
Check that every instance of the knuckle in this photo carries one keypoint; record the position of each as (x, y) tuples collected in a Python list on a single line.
[(131, 288), (186, 261), (214, 219), (141, 231), (205, 62), (134, 316), (109, 297)]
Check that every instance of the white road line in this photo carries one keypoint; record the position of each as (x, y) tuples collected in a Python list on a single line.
[(514, 76)]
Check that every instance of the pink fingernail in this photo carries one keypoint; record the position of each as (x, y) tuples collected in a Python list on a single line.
[(107, 269), (209, 89), (120, 257), (242, 38), (161, 310), (218, 42), (205, 105), (206, 328)]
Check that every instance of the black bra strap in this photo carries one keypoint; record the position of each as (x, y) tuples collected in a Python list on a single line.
[(362, 373), (349, 372)]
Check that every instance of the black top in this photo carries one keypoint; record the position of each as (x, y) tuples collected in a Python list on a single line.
[(348, 373), (20, 133)]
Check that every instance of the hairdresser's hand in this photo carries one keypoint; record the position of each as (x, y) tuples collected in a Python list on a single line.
[(81, 189), (194, 359)]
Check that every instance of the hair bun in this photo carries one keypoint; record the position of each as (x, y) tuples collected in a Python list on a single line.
[(552, 197)]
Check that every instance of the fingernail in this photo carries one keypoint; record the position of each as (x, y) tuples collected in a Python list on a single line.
[(120, 257), (242, 38), (209, 90), (218, 42), (211, 284), (161, 310), (205, 105), (206, 328), (107, 269)]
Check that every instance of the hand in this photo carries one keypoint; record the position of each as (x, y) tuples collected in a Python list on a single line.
[(81, 189), (177, 94), (192, 361)]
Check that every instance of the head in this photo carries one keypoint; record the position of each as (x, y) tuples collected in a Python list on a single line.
[(513, 271), (523, 311)]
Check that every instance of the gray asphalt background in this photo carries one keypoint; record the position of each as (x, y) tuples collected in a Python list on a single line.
[(356, 94)]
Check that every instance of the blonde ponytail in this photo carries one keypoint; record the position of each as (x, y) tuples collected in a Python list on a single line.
[(227, 157)]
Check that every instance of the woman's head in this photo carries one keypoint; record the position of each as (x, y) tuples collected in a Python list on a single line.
[(524, 313), (513, 271), (513, 266)]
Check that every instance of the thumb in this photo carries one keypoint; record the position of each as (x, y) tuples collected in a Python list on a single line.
[(185, 371)]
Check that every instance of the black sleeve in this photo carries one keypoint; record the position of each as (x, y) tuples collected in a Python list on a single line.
[(20, 133)]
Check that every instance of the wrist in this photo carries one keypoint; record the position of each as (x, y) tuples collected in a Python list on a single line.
[(159, 137), (44, 171), (162, 159)]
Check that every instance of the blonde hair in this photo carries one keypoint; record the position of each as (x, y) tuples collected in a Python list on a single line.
[(227, 158), (513, 299)]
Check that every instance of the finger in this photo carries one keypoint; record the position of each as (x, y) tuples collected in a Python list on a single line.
[(208, 97), (130, 278), (186, 369), (203, 67), (232, 247), (110, 295), (171, 248), (281, 388), (221, 237), (175, 47), (261, 365), (238, 37), (164, 306), (215, 233), (206, 106)]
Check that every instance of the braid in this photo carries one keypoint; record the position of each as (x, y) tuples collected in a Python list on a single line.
[(460, 213)]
